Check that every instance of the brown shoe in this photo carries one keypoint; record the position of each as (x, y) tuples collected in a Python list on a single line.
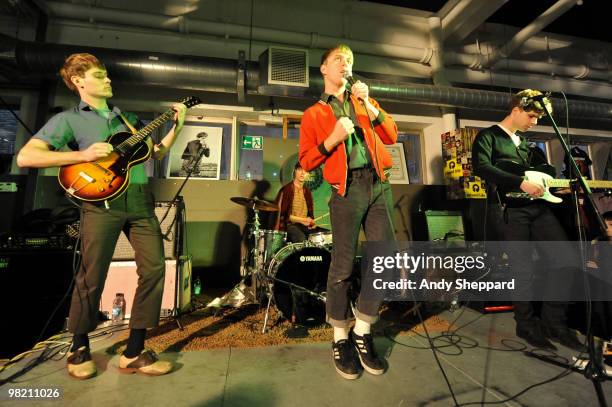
[(80, 366), (146, 363)]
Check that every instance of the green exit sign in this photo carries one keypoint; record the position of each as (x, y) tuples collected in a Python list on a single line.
[(252, 142)]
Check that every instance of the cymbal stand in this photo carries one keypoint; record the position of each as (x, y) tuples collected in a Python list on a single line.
[(252, 270)]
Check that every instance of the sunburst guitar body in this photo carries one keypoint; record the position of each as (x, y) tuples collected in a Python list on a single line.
[(107, 178)]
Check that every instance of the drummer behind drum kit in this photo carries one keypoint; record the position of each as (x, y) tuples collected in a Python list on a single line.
[(293, 276)]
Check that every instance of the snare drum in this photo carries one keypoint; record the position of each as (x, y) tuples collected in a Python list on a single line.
[(323, 239), (269, 242), (299, 275)]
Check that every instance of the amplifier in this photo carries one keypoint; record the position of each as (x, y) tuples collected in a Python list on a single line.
[(122, 278), (36, 241), (172, 246)]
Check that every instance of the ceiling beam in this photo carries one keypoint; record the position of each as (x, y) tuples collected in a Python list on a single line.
[(461, 17)]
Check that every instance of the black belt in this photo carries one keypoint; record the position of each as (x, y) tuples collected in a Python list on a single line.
[(364, 168), (360, 172)]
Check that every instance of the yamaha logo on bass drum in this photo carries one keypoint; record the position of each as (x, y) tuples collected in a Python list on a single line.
[(311, 258)]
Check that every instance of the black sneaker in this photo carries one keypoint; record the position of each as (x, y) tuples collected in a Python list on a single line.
[(565, 337), (345, 359), (367, 353), (535, 337)]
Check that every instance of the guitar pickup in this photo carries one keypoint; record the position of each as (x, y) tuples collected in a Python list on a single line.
[(86, 177)]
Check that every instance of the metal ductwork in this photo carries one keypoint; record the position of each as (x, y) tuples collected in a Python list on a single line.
[(221, 75), (188, 25), (476, 99), (146, 68)]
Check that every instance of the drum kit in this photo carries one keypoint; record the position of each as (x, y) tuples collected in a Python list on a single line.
[(292, 276)]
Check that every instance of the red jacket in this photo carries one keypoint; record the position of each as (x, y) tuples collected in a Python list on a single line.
[(318, 123)]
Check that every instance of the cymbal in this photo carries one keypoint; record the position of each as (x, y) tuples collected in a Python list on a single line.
[(255, 203)]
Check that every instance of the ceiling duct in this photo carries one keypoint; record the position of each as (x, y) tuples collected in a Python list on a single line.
[(221, 75)]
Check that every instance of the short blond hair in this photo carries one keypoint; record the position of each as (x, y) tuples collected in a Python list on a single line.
[(525, 100), (77, 65), (340, 47)]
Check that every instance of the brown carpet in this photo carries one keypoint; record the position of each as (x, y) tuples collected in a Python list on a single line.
[(241, 328)]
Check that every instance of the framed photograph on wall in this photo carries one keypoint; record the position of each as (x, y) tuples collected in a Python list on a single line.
[(399, 172), (192, 142)]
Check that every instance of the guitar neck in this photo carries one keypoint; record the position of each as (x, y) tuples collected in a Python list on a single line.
[(565, 183), (146, 131)]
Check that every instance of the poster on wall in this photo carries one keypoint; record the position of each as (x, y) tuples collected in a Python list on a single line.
[(399, 172), (194, 142)]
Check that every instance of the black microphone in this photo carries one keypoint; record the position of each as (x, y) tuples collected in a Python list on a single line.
[(349, 78), (351, 81), (541, 97)]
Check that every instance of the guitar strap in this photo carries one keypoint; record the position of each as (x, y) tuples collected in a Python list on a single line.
[(128, 124)]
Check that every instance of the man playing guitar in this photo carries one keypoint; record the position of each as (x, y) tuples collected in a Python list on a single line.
[(85, 129), (524, 219)]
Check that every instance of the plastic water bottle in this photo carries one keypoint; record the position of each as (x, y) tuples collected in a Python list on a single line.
[(118, 308), (197, 286)]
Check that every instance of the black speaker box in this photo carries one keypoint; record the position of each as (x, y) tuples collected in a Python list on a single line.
[(33, 283)]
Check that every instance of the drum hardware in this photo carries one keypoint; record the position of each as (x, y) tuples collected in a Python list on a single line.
[(254, 271), (297, 277), (293, 276), (321, 238), (292, 287)]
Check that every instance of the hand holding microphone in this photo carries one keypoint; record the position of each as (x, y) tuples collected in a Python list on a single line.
[(358, 88)]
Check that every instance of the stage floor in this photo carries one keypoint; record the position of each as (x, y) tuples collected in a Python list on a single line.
[(303, 375)]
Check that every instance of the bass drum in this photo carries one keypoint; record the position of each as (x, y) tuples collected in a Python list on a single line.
[(299, 275)]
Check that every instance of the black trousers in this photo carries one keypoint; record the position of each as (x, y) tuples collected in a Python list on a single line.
[(296, 232), (368, 203), (534, 222), (133, 213)]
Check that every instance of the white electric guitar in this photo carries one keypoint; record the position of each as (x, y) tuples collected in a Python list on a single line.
[(547, 181), (543, 179)]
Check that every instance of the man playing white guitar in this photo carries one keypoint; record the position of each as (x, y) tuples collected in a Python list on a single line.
[(86, 128), (524, 219)]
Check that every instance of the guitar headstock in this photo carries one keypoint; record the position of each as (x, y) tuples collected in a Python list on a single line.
[(190, 101)]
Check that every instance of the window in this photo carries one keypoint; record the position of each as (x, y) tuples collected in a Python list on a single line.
[(8, 130), (412, 150)]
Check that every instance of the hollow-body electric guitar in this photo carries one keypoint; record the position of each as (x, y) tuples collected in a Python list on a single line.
[(107, 178), (545, 180)]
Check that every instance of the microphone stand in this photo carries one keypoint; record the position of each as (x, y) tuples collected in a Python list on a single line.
[(180, 258), (594, 370), (177, 195)]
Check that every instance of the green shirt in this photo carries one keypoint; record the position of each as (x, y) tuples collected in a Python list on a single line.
[(80, 127), (356, 150)]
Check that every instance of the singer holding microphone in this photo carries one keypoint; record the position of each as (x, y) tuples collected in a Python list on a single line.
[(346, 130)]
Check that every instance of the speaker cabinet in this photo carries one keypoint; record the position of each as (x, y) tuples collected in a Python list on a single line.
[(33, 282), (173, 223), (122, 278)]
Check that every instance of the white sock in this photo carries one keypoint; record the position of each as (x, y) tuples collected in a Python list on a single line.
[(361, 327), (340, 333)]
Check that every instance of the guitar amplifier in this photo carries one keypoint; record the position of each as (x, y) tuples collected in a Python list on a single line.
[(173, 246), (36, 241), (122, 278)]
